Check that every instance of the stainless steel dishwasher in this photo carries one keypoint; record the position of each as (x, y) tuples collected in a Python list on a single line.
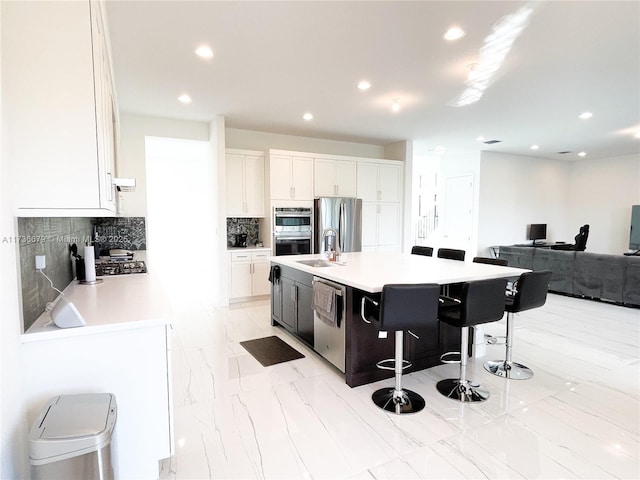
[(329, 341)]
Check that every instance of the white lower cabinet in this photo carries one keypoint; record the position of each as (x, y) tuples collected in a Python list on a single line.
[(249, 273), (381, 227)]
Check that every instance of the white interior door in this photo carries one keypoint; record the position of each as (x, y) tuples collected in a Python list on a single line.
[(458, 212)]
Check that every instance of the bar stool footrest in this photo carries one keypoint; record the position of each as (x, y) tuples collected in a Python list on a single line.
[(390, 364), (443, 357)]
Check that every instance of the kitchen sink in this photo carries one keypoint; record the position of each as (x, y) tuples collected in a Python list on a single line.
[(316, 263)]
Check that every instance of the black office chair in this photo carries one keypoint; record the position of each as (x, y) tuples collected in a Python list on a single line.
[(451, 254), (482, 301), (491, 261), (402, 307), (580, 239), (419, 250), (530, 292)]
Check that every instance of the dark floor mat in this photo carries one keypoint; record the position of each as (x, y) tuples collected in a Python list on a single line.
[(271, 350)]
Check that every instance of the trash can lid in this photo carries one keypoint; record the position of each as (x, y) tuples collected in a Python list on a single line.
[(72, 425)]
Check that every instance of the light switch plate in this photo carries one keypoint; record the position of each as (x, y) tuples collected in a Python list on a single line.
[(40, 262)]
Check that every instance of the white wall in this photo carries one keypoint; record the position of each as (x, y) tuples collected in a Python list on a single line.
[(518, 190), (252, 140), (131, 156), (601, 193), (13, 427)]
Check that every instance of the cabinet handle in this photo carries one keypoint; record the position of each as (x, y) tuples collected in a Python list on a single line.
[(293, 189), (379, 194)]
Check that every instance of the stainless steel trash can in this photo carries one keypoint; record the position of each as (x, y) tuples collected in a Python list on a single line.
[(71, 438)]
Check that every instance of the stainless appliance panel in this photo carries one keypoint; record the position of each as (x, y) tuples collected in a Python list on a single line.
[(343, 215), (330, 341), (292, 230)]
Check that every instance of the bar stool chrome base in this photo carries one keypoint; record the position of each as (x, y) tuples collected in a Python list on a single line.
[(465, 392), (512, 370), (398, 402)]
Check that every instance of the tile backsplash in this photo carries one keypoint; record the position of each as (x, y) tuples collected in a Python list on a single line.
[(243, 225), (52, 237), (120, 232)]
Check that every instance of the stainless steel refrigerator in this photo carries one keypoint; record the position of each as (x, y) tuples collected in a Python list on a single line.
[(343, 215)]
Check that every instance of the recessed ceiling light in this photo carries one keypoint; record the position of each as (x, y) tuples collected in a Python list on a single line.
[(395, 106), (204, 51), (364, 85), (307, 116), (585, 115), (534, 147), (184, 98), (480, 139), (582, 154), (454, 33)]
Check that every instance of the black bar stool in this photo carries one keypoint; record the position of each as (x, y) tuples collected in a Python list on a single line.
[(402, 306), (419, 250), (501, 262), (451, 254), (482, 301), (530, 292)]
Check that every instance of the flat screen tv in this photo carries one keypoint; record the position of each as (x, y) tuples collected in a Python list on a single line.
[(537, 231), (634, 234)]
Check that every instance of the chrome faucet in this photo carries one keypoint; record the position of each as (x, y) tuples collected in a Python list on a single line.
[(326, 233)]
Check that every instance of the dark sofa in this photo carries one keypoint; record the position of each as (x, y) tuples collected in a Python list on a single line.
[(614, 278)]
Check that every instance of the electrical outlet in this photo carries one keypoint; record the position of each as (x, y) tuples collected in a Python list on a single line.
[(40, 262)]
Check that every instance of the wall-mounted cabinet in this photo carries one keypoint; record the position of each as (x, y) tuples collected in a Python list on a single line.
[(61, 116), (245, 183), (291, 177), (334, 178), (379, 181)]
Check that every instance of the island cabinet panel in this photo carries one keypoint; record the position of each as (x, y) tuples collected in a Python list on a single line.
[(432, 341), (364, 348), (294, 309)]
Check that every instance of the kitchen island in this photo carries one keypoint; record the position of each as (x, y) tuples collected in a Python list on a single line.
[(123, 349), (364, 274)]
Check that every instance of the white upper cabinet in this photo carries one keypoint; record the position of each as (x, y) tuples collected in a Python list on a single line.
[(291, 177), (61, 117), (245, 183), (334, 178), (379, 182)]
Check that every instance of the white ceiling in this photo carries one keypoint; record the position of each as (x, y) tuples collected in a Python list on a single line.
[(275, 61)]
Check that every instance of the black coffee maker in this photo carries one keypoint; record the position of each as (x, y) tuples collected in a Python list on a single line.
[(240, 240)]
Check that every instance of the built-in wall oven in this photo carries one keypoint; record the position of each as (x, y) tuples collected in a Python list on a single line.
[(292, 232)]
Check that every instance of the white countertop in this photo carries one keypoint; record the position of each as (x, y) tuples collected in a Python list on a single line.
[(119, 302), (370, 271), (252, 248)]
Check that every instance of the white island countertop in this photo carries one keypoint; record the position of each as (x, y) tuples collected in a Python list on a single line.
[(370, 271), (120, 302)]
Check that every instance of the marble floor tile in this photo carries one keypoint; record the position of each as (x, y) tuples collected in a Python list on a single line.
[(578, 417)]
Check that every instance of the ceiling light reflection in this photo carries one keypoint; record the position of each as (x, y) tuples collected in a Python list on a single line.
[(184, 98), (493, 53)]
